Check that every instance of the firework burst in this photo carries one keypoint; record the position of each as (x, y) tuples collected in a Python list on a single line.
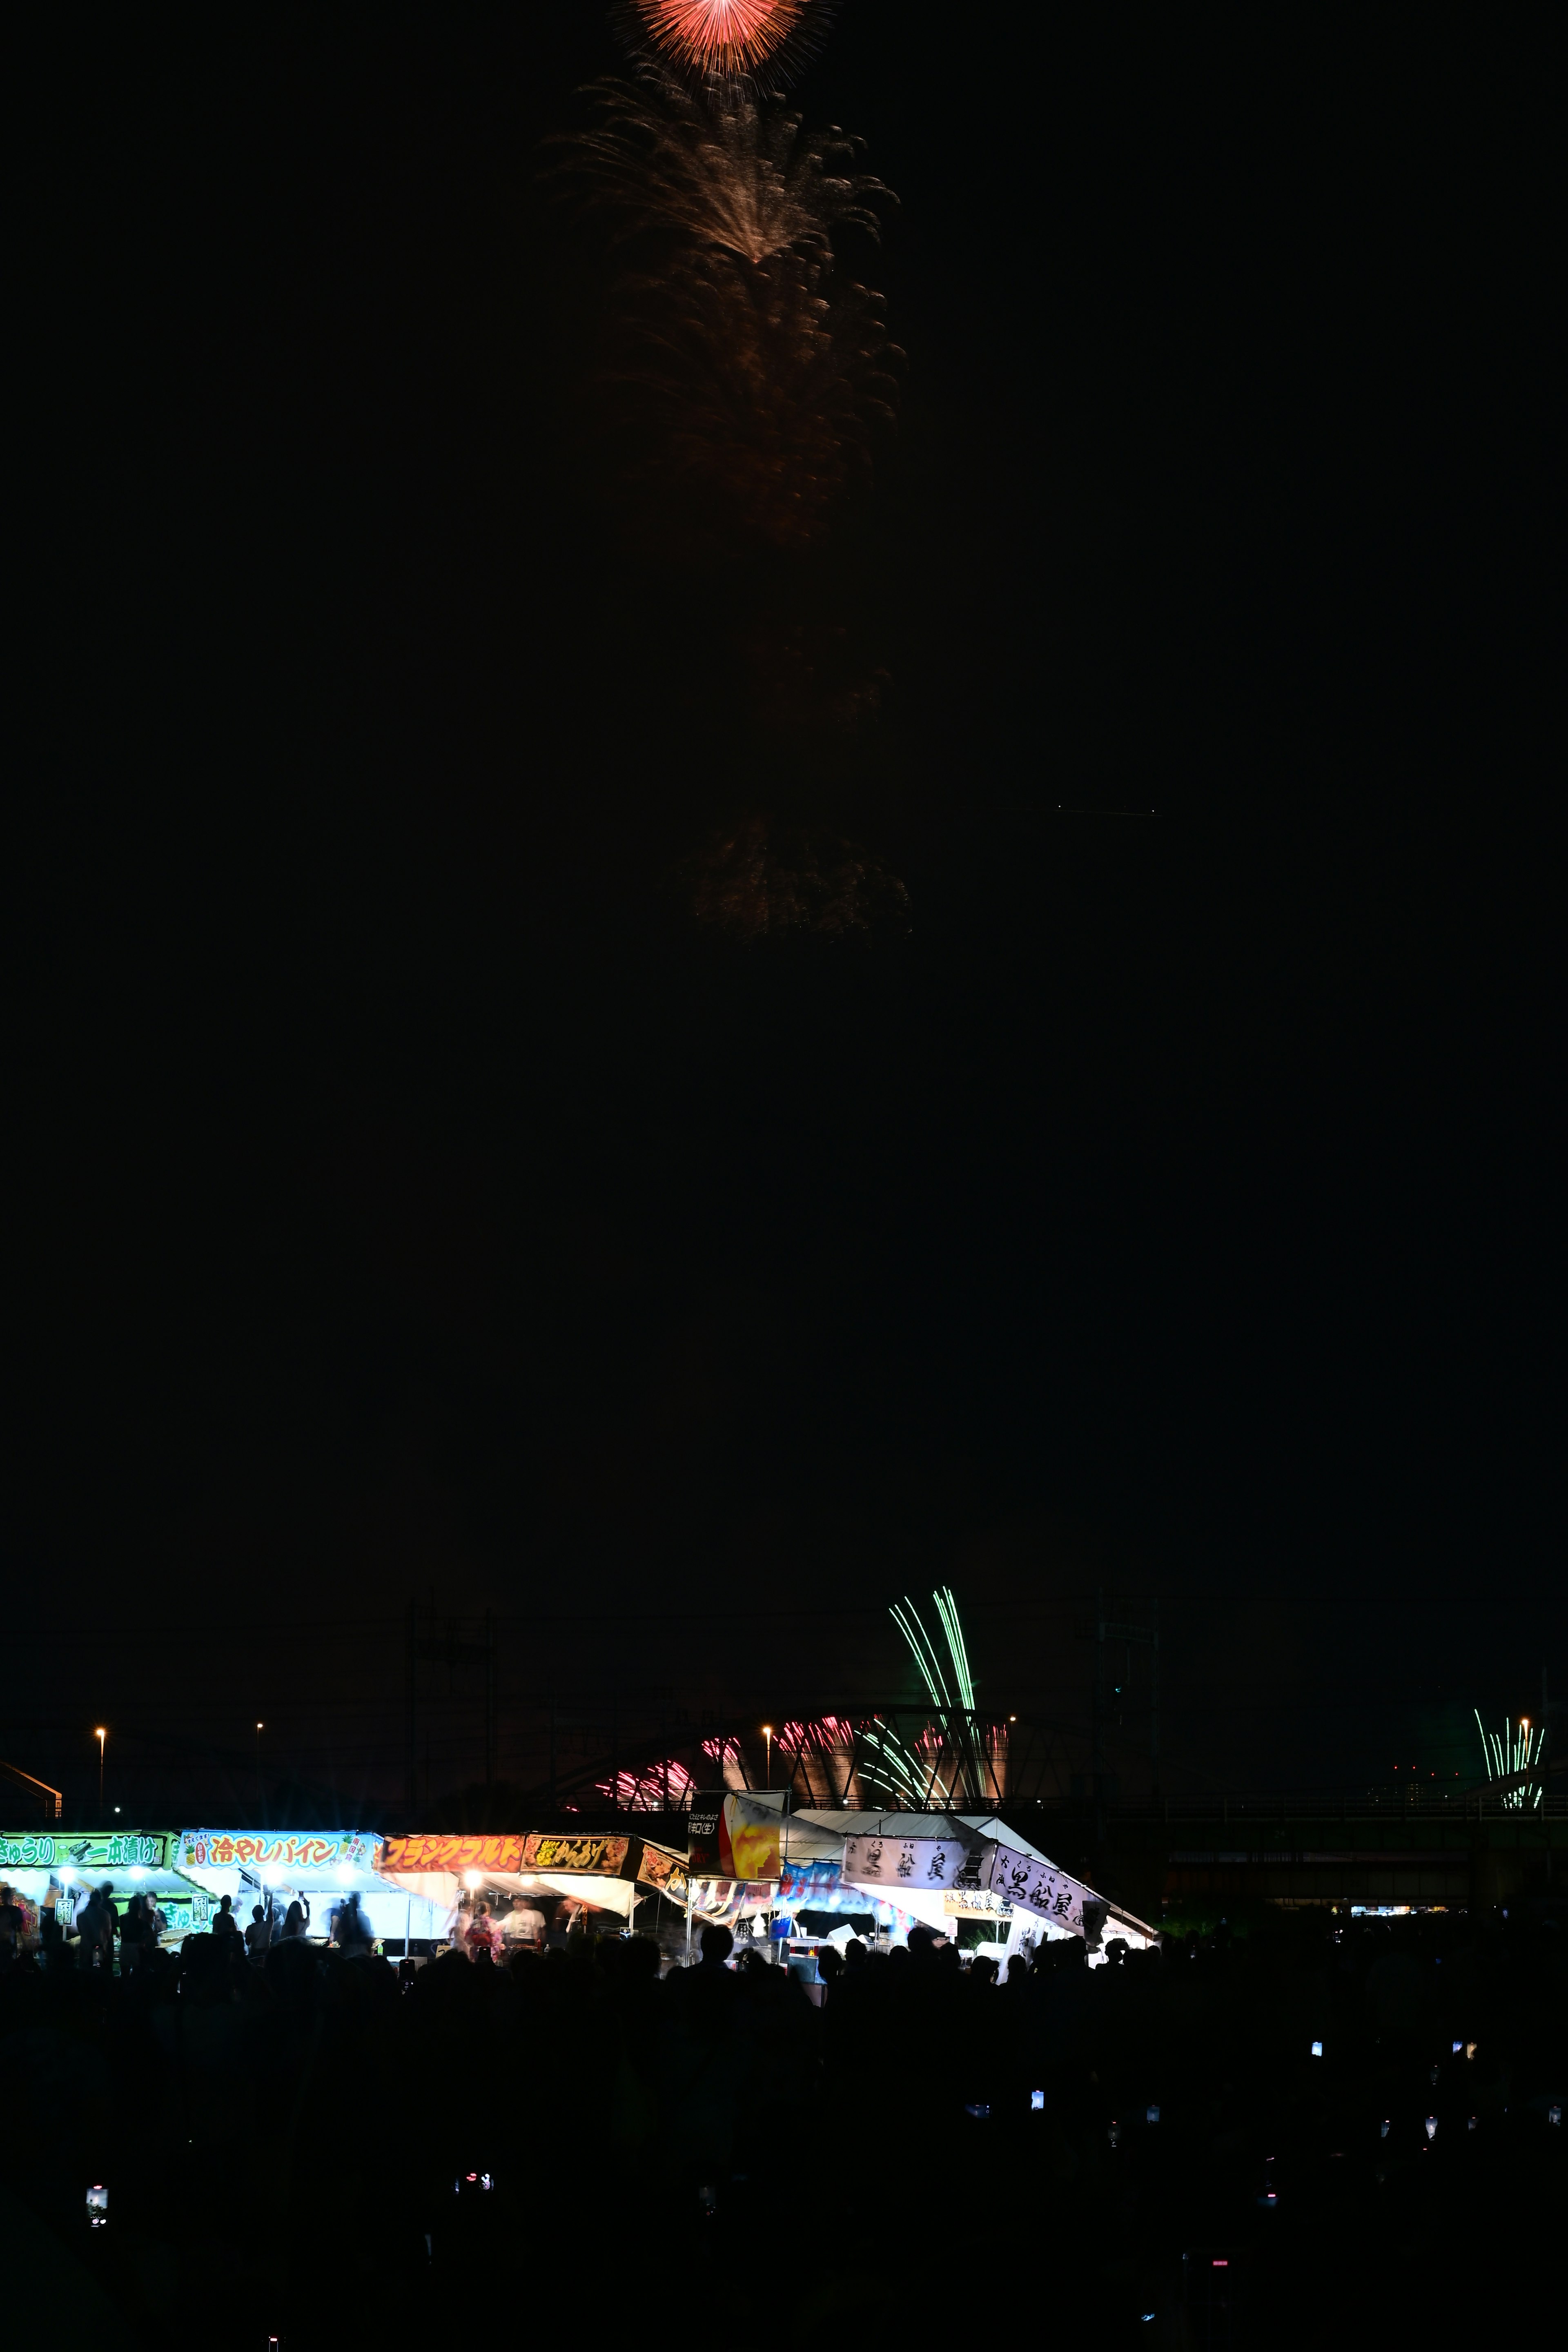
[(727, 40)]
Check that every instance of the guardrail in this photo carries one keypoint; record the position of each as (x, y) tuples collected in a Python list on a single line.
[(1336, 1804)]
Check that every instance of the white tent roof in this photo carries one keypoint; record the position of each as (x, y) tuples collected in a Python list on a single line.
[(841, 1824)]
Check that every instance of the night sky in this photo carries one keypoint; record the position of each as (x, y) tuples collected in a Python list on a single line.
[(413, 1196)]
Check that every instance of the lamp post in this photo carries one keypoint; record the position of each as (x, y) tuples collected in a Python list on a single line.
[(100, 1733), (259, 1808)]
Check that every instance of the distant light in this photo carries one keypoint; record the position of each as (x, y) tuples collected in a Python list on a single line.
[(1036, 2101), (1151, 2114), (1457, 2047), (1383, 2128), (1316, 2049), (1555, 2112), (1431, 2126)]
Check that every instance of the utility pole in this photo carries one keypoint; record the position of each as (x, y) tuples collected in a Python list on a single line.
[(412, 1722), (1099, 1751), (490, 1710), (1105, 1626), (1154, 1698)]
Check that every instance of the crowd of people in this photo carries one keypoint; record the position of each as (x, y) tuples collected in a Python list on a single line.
[(1265, 2131)]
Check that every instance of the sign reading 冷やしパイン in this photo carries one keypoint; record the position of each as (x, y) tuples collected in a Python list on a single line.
[(107, 1850), (222, 1849)]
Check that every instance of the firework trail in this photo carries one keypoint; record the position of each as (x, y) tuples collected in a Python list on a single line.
[(729, 177), (759, 880), (743, 377)]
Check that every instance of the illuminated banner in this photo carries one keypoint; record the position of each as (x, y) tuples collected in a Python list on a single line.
[(109, 1850), (721, 1843), (663, 1871), (399, 1854), (1039, 1887), (223, 1849), (969, 1904), (505, 1856), (606, 1855), (927, 1862)]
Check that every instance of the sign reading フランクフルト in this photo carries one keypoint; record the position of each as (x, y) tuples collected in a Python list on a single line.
[(101, 1850), (603, 1857)]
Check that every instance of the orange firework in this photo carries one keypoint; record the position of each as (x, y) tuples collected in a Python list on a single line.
[(721, 36)]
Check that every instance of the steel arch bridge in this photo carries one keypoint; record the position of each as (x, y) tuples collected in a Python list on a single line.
[(897, 1757)]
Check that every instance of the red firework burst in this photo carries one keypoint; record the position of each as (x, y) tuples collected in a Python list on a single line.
[(721, 36)]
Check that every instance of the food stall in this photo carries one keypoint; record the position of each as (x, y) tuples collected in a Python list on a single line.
[(56, 1869), (948, 1872), (315, 1867), (571, 1880)]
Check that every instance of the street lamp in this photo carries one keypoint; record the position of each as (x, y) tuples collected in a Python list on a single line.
[(100, 1733), (768, 1735)]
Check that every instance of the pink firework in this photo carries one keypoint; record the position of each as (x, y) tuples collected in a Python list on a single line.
[(721, 36)]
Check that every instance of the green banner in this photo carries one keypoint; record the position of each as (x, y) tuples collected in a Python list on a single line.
[(96, 1850)]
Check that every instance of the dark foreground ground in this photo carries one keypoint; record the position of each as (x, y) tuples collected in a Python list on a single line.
[(302, 2151)]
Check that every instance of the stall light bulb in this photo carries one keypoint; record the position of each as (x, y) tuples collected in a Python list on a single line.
[(473, 1878)]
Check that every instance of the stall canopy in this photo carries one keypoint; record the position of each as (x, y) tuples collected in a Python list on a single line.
[(931, 1866), (611, 1872), (320, 1866), (73, 1862)]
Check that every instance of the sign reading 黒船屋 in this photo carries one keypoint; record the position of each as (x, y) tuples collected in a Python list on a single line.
[(932, 1864), (1039, 1887), (976, 1866)]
